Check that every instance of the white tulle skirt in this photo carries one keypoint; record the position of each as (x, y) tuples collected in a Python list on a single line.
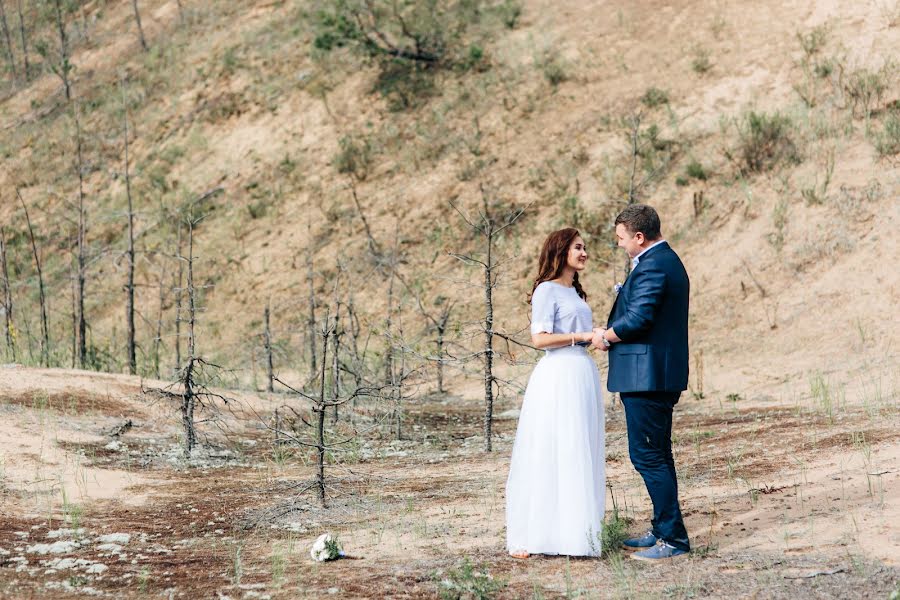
[(556, 490)]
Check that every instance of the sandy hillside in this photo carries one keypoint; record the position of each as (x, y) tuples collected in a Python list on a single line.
[(786, 440)]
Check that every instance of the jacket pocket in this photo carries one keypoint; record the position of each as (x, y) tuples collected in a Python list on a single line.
[(631, 348)]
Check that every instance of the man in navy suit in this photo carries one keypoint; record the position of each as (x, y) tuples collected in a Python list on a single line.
[(647, 341)]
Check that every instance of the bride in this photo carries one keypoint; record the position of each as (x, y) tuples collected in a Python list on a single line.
[(555, 492)]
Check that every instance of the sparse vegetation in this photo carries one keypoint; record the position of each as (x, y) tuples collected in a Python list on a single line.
[(654, 97), (695, 170), (764, 142), (887, 141), (553, 68), (468, 581), (700, 60)]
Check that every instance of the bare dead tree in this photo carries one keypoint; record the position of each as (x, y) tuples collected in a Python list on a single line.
[(64, 67), (45, 328), (439, 321), (311, 317), (129, 282), (26, 65), (137, 19), (157, 339), (7, 297), (74, 314), (188, 403), (178, 297), (336, 351), (7, 40), (267, 338), (320, 406), (633, 186), (82, 241), (193, 394), (492, 221)]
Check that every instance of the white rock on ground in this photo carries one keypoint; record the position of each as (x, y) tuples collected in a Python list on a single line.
[(112, 548), (97, 569), (58, 533), (114, 538), (60, 547), (61, 564)]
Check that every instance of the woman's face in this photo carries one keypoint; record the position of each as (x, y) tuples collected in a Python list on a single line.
[(577, 255)]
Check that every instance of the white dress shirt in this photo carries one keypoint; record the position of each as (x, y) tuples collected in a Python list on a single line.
[(637, 259)]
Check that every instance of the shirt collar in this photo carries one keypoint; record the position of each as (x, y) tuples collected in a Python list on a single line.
[(637, 259)]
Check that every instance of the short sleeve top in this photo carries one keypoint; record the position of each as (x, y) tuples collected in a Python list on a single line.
[(556, 308)]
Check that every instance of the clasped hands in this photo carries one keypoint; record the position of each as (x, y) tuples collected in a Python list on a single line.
[(597, 339)]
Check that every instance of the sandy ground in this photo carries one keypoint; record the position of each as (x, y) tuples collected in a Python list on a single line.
[(783, 501)]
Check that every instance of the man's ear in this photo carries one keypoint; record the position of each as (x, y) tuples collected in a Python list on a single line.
[(639, 238)]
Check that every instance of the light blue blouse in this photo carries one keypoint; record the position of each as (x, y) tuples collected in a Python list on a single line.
[(556, 308)]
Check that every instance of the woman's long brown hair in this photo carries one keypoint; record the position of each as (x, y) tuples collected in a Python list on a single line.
[(553, 259)]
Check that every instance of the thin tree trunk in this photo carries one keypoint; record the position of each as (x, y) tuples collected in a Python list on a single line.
[(335, 369), (7, 39), (188, 400), (129, 285), (64, 65), (45, 328), (7, 298), (320, 429), (157, 340), (180, 12), (440, 361), (137, 18), (74, 291), (27, 67), (311, 320), (82, 232), (389, 348), (399, 377), (270, 371), (178, 300), (187, 408), (488, 341), (192, 306)]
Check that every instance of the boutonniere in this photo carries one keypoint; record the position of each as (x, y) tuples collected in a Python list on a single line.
[(617, 288)]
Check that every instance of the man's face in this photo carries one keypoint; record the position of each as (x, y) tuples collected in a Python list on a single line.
[(631, 243)]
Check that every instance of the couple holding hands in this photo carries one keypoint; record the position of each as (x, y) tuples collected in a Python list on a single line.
[(556, 490)]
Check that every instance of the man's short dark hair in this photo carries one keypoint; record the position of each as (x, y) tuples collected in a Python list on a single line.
[(640, 217)]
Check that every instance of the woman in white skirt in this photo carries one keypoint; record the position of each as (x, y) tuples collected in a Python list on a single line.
[(556, 490)]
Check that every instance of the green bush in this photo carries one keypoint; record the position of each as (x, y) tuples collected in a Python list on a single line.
[(467, 582), (701, 63), (888, 141), (654, 97), (553, 69), (354, 157), (764, 142), (510, 11), (696, 170), (613, 531), (409, 41), (404, 84), (866, 88)]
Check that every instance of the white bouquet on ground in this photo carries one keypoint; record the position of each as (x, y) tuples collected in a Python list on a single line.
[(325, 548)]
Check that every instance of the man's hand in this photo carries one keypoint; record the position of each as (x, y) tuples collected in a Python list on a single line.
[(597, 340)]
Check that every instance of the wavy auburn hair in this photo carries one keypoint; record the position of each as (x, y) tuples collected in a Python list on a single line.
[(553, 259)]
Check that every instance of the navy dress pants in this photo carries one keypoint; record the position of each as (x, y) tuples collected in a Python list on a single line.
[(649, 419)]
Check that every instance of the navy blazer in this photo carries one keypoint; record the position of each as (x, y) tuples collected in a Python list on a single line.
[(650, 315)]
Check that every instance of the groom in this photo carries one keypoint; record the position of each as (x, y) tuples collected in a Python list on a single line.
[(647, 340)]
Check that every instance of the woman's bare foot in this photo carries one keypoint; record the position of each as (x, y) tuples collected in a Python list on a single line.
[(519, 554)]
